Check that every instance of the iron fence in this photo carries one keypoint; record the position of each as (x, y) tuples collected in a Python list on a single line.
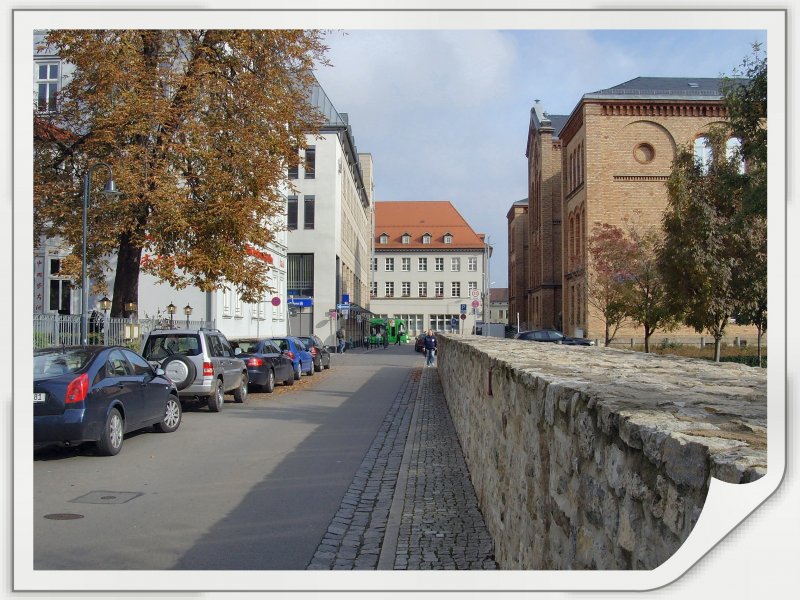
[(65, 330)]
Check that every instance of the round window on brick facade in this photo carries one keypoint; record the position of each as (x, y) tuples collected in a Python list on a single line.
[(644, 153)]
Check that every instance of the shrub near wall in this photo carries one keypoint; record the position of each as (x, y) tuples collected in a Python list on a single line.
[(594, 458)]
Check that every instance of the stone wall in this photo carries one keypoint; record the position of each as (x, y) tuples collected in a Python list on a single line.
[(596, 458)]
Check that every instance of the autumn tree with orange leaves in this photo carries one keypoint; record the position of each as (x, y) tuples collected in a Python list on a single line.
[(199, 127)]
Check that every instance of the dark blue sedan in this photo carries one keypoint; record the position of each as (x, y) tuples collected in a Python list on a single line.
[(98, 394), (302, 361), (266, 363)]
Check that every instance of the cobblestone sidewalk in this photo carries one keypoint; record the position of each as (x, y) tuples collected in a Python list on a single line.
[(411, 504)]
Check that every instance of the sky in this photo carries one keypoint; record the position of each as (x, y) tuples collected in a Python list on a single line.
[(445, 113)]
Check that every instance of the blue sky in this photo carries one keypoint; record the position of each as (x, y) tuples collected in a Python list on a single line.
[(445, 113)]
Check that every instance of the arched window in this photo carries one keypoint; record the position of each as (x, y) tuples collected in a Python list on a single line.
[(733, 152), (702, 152)]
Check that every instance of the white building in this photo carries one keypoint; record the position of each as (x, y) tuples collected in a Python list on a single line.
[(54, 294), (428, 267), (330, 231)]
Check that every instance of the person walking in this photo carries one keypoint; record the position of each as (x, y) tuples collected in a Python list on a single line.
[(340, 341), (429, 344)]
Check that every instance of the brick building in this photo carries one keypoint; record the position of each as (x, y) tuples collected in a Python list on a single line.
[(606, 162), (518, 253)]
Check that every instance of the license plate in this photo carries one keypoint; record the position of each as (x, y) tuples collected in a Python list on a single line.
[(39, 397)]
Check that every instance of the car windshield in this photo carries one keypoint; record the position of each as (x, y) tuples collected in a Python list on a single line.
[(160, 346), (57, 362), (247, 346)]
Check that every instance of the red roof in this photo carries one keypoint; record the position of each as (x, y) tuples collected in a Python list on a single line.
[(417, 218)]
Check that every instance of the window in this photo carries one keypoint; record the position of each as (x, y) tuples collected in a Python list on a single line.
[(308, 212), (406, 238), (702, 153), (733, 152), (426, 239), (374, 264), (384, 238), (406, 289), (47, 83), (472, 263), (448, 239), (423, 289), (226, 303), (293, 165), (472, 285), (455, 264), (405, 264), (60, 295), (291, 218), (388, 264), (389, 289), (456, 289), (439, 289), (422, 264), (373, 292), (310, 165), (438, 264)]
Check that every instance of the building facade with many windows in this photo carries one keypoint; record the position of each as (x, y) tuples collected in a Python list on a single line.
[(606, 162), (329, 219), (428, 264)]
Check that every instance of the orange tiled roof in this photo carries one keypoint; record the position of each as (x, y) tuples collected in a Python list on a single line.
[(416, 218)]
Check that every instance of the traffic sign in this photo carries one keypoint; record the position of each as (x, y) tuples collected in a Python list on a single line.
[(453, 323), (463, 316), (475, 303), (463, 308), (475, 293)]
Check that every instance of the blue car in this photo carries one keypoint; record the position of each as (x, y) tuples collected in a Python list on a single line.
[(98, 394), (302, 360)]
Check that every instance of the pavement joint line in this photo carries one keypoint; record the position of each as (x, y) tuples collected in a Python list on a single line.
[(389, 547)]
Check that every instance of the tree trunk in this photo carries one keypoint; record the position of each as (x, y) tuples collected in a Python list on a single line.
[(647, 334), (126, 281), (717, 347), (608, 339), (760, 332)]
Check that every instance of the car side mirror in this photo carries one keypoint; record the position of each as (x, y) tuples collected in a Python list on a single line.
[(160, 372), (237, 351)]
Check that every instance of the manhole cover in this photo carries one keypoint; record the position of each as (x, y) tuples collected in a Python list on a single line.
[(63, 516), (101, 497)]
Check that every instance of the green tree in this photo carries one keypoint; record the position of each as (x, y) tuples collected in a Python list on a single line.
[(648, 305), (609, 281), (199, 127), (745, 97), (703, 247), (752, 278)]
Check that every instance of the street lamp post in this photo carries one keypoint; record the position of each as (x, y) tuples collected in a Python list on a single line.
[(171, 308), (187, 310), (105, 304), (110, 189)]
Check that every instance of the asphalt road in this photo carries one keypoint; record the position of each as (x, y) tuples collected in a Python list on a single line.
[(252, 487)]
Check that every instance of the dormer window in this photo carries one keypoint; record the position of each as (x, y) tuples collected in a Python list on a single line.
[(384, 238), (448, 238), (426, 238), (406, 238)]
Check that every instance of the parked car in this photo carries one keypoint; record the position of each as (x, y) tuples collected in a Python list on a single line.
[(201, 362), (266, 364), (553, 336), (98, 394), (302, 361), (319, 352)]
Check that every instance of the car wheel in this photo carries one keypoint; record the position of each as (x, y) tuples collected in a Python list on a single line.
[(328, 364), (172, 416), (318, 365), (216, 400), (270, 385), (111, 442), (297, 372), (180, 370), (240, 393), (311, 369)]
